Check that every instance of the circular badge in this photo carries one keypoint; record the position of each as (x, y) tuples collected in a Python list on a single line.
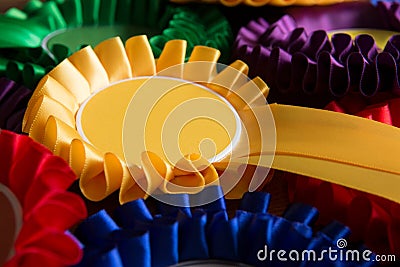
[(124, 120), (181, 131)]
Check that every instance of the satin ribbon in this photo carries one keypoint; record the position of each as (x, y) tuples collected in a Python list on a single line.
[(23, 31), (50, 116), (198, 26), (304, 66), (13, 101), (25, 65), (257, 3), (132, 235), (321, 144), (369, 216), (39, 180)]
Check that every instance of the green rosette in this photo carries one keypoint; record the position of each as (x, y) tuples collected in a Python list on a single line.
[(42, 34)]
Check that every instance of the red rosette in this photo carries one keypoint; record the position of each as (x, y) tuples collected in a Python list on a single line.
[(39, 181), (373, 219)]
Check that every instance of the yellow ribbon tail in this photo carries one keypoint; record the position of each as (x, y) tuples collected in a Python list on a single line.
[(338, 148)]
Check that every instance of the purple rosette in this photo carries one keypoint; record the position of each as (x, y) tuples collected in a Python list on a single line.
[(13, 102), (304, 66)]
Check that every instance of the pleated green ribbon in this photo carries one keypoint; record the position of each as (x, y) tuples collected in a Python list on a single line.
[(42, 34)]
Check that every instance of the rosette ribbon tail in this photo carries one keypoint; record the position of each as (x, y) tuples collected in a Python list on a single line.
[(337, 148)]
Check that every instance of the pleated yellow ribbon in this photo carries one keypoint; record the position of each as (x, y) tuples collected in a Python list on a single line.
[(335, 147), (256, 3)]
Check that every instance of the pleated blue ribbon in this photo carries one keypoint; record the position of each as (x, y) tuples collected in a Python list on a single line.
[(135, 237)]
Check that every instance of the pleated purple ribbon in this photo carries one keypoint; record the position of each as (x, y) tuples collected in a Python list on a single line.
[(13, 101), (304, 67)]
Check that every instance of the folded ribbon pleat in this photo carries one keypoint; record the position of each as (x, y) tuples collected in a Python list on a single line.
[(39, 181), (304, 66), (183, 238)]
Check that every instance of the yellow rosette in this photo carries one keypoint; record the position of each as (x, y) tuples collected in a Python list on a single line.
[(257, 3), (124, 120), (80, 111)]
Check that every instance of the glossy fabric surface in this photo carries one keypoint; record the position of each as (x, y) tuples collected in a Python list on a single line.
[(256, 3), (303, 66), (40, 180), (24, 33), (372, 219), (133, 235), (13, 101)]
